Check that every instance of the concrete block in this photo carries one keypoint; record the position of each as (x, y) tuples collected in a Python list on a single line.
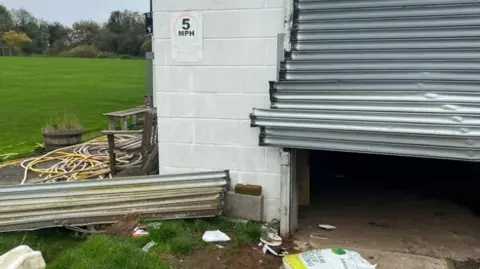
[(270, 20), (273, 160), (175, 155), (275, 3), (234, 52), (209, 105), (187, 5), (215, 79), (161, 25), (173, 79), (176, 130), (271, 209), (244, 206), (212, 157), (228, 157), (174, 170), (221, 24), (160, 49), (176, 105), (228, 106), (225, 132), (271, 52)]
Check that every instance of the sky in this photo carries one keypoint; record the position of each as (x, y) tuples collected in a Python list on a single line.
[(69, 11)]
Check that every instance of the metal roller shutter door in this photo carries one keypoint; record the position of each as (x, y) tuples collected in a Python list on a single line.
[(399, 77)]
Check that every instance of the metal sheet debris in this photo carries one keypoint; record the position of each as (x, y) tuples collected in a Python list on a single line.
[(36, 206)]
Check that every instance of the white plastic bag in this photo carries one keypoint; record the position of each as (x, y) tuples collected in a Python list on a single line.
[(215, 236), (22, 257), (335, 258)]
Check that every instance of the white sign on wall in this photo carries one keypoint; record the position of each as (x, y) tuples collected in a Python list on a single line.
[(186, 37)]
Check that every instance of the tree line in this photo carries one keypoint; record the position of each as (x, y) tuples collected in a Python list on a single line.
[(121, 36)]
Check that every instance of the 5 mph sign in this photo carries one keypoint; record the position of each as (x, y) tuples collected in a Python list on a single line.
[(186, 37)]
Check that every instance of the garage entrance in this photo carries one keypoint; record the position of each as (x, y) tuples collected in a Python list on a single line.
[(398, 204)]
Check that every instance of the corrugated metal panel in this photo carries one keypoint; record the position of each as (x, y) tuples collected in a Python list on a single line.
[(30, 207), (394, 77)]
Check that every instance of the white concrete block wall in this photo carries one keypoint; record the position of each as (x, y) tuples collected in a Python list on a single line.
[(203, 108)]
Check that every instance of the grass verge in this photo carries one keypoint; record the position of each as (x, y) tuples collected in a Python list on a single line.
[(62, 250)]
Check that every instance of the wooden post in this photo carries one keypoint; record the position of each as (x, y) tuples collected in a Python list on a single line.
[(135, 119), (111, 152), (124, 123), (111, 123)]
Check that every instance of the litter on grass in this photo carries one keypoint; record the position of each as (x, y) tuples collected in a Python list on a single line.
[(154, 225), (140, 231), (149, 246), (215, 236), (22, 257), (335, 258)]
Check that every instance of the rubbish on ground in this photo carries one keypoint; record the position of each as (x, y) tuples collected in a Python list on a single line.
[(215, 236), (149, 246), (140, 231), (335, 258), (275, 250), (22, 257), (260, 244), (327, 227), (270, 236), (154, 225), (220, 246), (317, 236)]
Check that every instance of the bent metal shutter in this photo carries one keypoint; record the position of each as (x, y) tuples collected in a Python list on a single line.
[(398, 77)]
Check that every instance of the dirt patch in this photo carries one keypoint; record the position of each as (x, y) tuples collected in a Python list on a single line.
[(246, 257), (124, 227)]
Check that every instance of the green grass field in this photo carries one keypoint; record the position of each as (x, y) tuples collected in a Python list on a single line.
[(34, 90)]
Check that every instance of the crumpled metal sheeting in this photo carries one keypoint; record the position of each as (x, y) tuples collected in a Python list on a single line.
[(31, 207), (374, 148), (394, 77), (418, 135)]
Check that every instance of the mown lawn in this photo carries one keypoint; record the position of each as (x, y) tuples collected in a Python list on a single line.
[(36, 89), (177, 239)]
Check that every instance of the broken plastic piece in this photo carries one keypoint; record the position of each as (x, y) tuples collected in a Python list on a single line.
[(140, 231), (327, 227), (149, 246), (215, 236), (275, 250)]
